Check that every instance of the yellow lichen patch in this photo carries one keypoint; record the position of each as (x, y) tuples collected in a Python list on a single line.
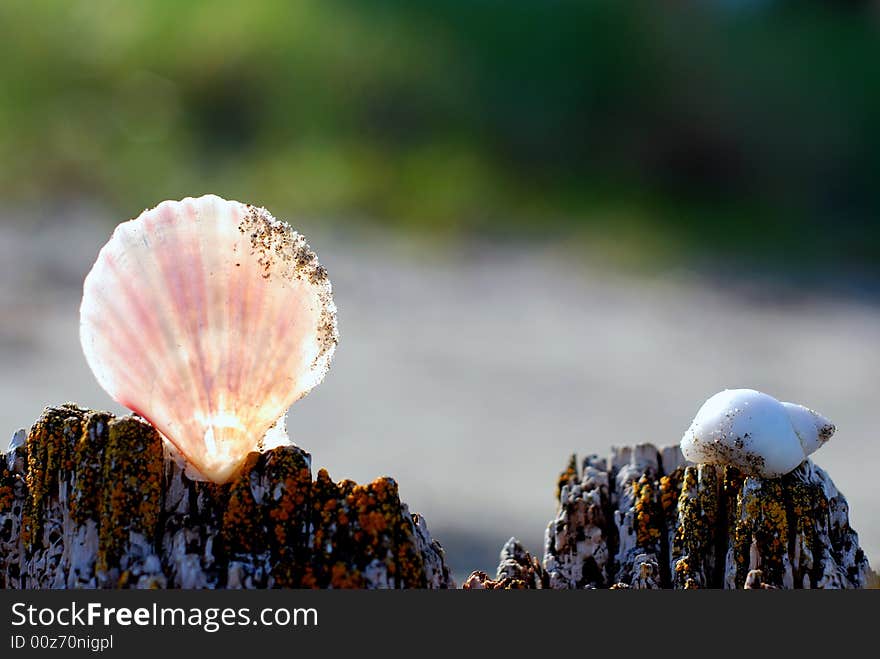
[(693, 544), (132, 487), (670, 485), (762, 522), (806, 507), (292, 531), (570, 475), (50, 449), (88, 474), (689, 479), (648, 516), (688, 526), (709, 495), (731, 486), (685, 576)]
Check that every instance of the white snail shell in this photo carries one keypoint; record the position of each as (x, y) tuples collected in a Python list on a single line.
[(754, 432)]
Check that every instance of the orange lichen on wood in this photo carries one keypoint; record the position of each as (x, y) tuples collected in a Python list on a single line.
[(133, 518), (287, 513), (648, 515), (630, 525), (241, 519), (7, 495), (569, 475)]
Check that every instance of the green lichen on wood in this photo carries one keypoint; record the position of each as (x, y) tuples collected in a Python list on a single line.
[(140, 521), (805, 504), (695, 538), (50, 449), (709, 495), (761, 521), (766, 524), (131, 493), (88, 458), (112, 470), (731, 485), (688, 530), (704, 526)]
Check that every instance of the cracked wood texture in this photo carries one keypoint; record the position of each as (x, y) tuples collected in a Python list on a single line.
[(645, 519), (88, 500)]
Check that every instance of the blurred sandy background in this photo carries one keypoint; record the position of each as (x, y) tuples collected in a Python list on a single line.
[(551, 226)]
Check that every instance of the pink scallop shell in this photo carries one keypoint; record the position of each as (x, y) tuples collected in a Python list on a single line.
[(209, 318)]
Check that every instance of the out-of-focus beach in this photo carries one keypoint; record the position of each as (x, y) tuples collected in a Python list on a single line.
[(471, 373)]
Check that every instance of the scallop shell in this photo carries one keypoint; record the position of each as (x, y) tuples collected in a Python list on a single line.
[(209, 318), (755, 433)]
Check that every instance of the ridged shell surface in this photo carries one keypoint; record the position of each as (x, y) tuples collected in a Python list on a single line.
[(209, 318)]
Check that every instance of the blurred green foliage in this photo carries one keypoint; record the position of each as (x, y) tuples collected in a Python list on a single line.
[(664, 130)]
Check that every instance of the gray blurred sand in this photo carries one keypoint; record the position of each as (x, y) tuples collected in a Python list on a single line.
[(470, 375)]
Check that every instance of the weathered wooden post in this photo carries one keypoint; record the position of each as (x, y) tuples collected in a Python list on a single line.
[(88, 500), (644, 519)]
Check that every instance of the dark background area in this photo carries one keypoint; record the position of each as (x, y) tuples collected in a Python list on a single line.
[(737, 130)]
